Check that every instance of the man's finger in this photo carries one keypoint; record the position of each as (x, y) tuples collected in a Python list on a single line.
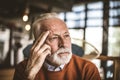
[(39, 42), (44, 47)]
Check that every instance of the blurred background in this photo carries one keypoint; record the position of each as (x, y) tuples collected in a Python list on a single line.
[(94, 21)]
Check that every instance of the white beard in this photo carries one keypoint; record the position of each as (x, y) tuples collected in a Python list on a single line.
[(56, 59)]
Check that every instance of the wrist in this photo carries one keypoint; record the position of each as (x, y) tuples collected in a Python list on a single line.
[(29, 75)]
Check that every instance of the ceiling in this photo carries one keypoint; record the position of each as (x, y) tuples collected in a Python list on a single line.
[(16, 8), (13, 10)]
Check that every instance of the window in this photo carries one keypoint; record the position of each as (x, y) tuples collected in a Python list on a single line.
[(114, 29), (85, 21)]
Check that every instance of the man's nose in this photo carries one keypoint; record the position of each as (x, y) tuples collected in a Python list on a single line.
[(61, 42)]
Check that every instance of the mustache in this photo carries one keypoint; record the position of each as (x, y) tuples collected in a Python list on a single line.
[(62, 50)]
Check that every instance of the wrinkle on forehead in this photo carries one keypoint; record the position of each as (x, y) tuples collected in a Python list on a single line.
[(52, 21), (53, 25)]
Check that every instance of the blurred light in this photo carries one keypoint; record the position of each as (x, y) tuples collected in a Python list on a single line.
[(25, 18), (27, 27)]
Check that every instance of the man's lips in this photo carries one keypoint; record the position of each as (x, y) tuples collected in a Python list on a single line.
[(63, 54)]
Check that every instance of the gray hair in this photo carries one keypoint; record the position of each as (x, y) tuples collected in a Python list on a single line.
[(36, 24)]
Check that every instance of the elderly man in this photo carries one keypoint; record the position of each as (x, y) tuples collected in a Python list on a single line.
[(51, 56)]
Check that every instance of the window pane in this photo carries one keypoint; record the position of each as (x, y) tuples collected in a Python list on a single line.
[(79, 23), (75, 24), (71, 16), (76, 36), (114, 21), (61, 16), (95, 13), (80, 15), (94, 36), (4, 43), (78, 8), (114, 12), (114, 41), (70, 24), (96, 5), (82, 23), (114, 3), (94, 22), (76, 33)]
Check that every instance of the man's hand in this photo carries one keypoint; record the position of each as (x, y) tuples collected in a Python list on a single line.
[(38, 53)]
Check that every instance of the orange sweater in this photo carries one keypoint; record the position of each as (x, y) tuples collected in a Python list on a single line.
[(77, 69)]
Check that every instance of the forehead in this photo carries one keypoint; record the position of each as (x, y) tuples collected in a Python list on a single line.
[(54, 25)]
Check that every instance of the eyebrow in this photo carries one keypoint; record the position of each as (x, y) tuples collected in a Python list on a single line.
[(58, 35)]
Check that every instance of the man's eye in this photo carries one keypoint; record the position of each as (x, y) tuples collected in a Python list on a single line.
[(67, 35), (53, 38)]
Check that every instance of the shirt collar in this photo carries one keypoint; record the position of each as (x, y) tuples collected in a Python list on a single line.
[(53, 68)]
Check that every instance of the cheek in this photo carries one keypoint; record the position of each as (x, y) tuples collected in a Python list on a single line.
[(68, 44), (54, 47)]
